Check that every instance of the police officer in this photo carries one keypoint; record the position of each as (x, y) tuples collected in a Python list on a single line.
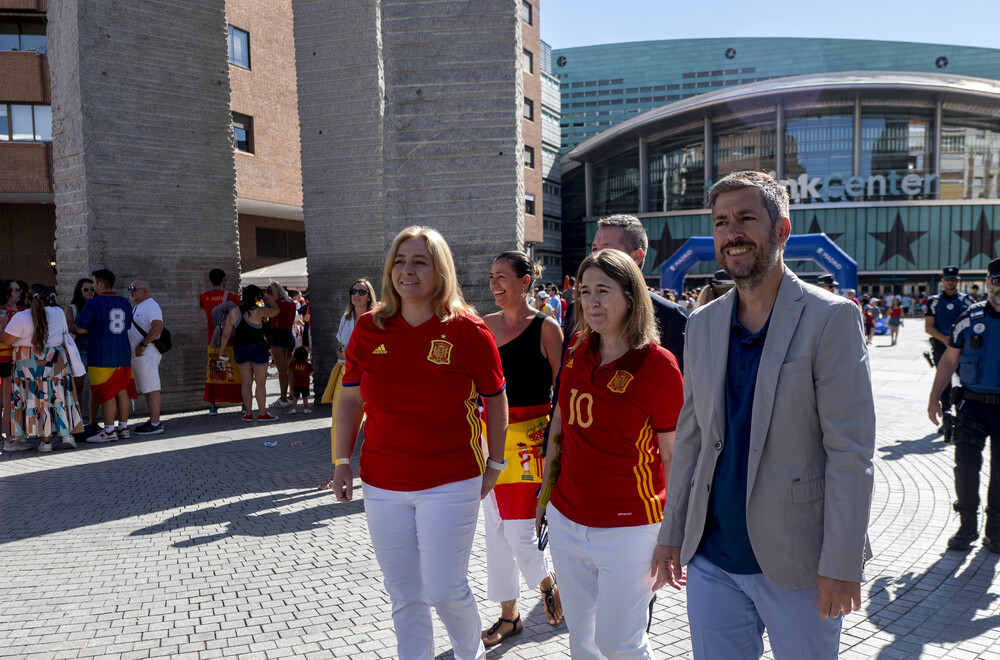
[(827, 281), (942, 312), (974, 350)]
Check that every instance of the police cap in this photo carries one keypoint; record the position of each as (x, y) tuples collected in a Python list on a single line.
[(950, 271)]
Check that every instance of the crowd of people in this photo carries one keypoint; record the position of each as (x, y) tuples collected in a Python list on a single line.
[(99, 347), (88, 361), (593, 444), (616, 439)]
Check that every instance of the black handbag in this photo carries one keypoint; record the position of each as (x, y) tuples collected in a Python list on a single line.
[(163, 343)]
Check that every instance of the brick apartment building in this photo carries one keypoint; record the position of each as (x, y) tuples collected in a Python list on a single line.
[(263, 100)]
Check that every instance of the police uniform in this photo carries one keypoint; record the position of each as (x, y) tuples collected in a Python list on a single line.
[(945, 309), (977, 334)]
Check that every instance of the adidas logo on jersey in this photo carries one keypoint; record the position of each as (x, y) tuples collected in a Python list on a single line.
[(380, 350)]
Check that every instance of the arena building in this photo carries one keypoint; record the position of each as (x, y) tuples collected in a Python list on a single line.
[(892, 150)]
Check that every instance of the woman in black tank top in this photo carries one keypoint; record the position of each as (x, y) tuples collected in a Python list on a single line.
[(530, 345)]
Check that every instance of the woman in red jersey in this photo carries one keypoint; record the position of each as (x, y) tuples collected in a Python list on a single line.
[(416, 367), (281, 337), (530, 346), (619, 398)]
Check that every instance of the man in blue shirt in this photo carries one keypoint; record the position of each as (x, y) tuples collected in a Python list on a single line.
[(942, 312), (106, 318), (974, 351), (771, 476)]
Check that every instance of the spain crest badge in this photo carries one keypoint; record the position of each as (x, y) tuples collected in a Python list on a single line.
[(440, 352), (620, 381)]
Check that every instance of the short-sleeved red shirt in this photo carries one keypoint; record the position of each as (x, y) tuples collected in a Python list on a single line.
[(300, 373), (611, 470), (209, 300), (420, 386), (286, 315)]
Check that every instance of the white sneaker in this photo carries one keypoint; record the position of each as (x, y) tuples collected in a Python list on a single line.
[(307, 410), (104, 436), (68, 442), (293, 411), (124, 432), (15, 445), (45, 447), (281, 403)]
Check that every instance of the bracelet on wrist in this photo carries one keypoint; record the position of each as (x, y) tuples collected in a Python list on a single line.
[(342, 461)]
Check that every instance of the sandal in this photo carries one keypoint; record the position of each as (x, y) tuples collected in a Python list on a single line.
[(516, 630), (550, 595)]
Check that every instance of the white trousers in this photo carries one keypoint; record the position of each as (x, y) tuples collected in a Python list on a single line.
[(422, 540), (510, 545), (605, 586)]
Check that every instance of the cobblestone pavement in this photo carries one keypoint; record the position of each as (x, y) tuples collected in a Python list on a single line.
[(203, 542)]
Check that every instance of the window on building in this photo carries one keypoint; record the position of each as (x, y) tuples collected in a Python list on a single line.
[(243, 132), (529, 156), (23, 36), (527, 61), (529, 109), (529, 204), (280, 243), (25, 123), (526, 11), (239, 47)]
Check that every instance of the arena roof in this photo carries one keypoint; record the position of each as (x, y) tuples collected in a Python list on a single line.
[(796, 93)]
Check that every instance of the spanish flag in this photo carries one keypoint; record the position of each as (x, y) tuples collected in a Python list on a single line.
[(107, 382)]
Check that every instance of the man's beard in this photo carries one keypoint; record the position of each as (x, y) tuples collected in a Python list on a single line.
[(995, 299), (752, 275)]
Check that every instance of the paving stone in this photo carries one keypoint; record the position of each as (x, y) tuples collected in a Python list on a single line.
[(204, 543)]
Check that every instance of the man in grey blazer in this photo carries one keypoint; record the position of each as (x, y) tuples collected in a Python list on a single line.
[(771, 482)]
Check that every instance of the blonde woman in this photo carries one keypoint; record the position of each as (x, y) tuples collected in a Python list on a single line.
[(280, 337), (416, 366), (360, 299), (619, 397)]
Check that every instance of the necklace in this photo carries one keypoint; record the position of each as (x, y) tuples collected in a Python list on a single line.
[(611, 357)]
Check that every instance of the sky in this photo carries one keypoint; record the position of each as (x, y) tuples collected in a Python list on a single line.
[(569, 23)]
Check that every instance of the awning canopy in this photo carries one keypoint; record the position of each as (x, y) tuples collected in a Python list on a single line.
[(288, 274)]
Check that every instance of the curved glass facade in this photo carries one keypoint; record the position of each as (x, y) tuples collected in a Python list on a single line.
[(676, 173)]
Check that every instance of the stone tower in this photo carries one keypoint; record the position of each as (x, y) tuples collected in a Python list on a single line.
[(410, 113), (144, 176)]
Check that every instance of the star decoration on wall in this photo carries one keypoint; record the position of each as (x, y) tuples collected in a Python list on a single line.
[(982, 239), (666, 245), (897, 241), (814, 229)]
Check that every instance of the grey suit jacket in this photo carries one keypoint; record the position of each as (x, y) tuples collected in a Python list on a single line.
[(812, 437)]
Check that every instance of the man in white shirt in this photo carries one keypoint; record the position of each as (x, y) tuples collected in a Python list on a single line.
[(147, 324)]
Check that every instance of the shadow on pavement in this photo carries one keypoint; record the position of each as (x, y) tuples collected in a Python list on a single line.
[(929, 444), (938, 606), (210, 483)]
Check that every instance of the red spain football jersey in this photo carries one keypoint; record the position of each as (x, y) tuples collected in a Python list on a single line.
[(611, 470), (420, 387)]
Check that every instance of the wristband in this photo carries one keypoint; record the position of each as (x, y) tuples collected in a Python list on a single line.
[(342, 461), (499, 467)]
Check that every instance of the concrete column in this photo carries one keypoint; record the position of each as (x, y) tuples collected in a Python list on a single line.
[(143, 172), (936, 158), (341, 88), (410, 113), (453, 90), (643, 175), (708, 155), (779, 141), (856, 144), (588, 185)]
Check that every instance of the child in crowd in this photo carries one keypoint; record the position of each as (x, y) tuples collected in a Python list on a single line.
[(301, 369)]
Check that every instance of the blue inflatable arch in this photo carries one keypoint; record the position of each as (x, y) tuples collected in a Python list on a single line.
[(811, 247)]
